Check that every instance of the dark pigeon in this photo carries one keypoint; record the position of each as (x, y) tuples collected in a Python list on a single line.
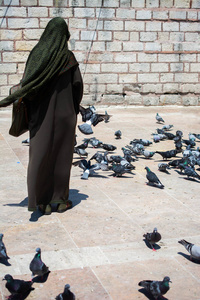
[(119, 170), (3, 252), (37, 266), (153, 179), (80, 152), (190, 172), (66, 295), (86, 113), (108, 147), (118, 134), (156, 288), (18, 287), (167, 154), (194, 250), (152, 237)]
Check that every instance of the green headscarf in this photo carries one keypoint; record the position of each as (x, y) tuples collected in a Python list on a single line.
[(50, 57)]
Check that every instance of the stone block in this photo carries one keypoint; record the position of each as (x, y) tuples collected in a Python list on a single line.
[(166, 3), (127, 78), (190, 88), (143, 57), (77, 3), (113, 25), (176, 36), (3, 79), (153, 26), (138, 3), (114, 46), (121, 35), (152, 3), (186, 67), (195, 67), (8, 68), (190, 100), (143, 14), (159, 67), (190, 26), (177, 15), (134, 99), (93, 68), (114, 88), (114, 68), (92, 24), (32, 34), (100, 57), (134, 36), (125, 57), (192, 15), (153, 47), (196, 4), (171, 26), (4, 90), (23, 23), (44, 21), (192, 36), (98, 45), (170, 99), (15, 56), (131, 88), (182, 3), (160, 15), (166, 77), (105, 13), (187, 46), (104, 35), (84, 12), (10, 34), (125, 3), (186, 77), (93, 3), (139, 67), (6, 46), (27, 3), (129, 46), (112, 99), (45, 2), (125, 13), (14, 78), (163, 36), (88, 35), (167, 47), (188, 57), (152, 88), (176, 67), (16, 12), (171, 88), (25, 45), (64, 12), (111, 3), (20, 67), (148, 36), (14, 2), (154, 77), (150, 100), (165, 57), (82, 46), (77, 23), (134, 26)]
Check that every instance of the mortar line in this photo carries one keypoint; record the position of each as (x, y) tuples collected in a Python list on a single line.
[(67, 232), (101, 283)]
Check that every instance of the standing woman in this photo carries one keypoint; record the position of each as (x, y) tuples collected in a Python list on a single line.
[(52, 89)]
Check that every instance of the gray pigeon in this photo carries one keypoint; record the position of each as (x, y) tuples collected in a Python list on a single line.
[(17, 287), (156, 288), (148, 154), (159, 118), (3, 252), (194, 250), (118, 134), (153, 179), (167, 127), (66, 295), (163, 167), (152, 237), (37, 266)]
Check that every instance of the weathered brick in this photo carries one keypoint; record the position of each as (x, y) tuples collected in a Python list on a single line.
[(183, 77), (152, 88), (98, 45), (96, 88), (93, 23), (190, 100), (113, 25), (150, 100), (10, 34), (25, 45), (23, 23), (134, 36), (127, 78), (125, 3), (188, 57), (186, 67), (93, 68), (27, 2), (190, 88), (21, 67), (32, 34), (143, 57), (189, 26), (15, 56), (160, 15), (77, 3), (134, 99), (84, 12), (82, 46), (152, 46), (139, 67), (4, 90), (114, 88), (125, 57), (8, 68), (176, 67), (125, 14), (148, 36), (112, 99), (61, 12), (100, 57), (105, 35), (114, 46), (131, 88), (177, 36), (171, 26), (182, 3), (107, 78), (134, 25), (171, 88), (166, 77), (14, 2), (195, 67), (196, 4), (146, 78), (105, 13), (88, 35), (44, 21), (37, 12), (177, 15), (152, 3), (168, 57), (14, 78), (6, 46), (93, 3), (153, 26), (163, 36), (159, 67), (143, 15), (111, 3), (121, 35), (187, 46), (192, 15), (167, 47), (64, 3), (45, 3), (77, 23), (170, 99), (138, 3), (129, 46), (3, 79), (16, 12), (114, 68), (166, 3)]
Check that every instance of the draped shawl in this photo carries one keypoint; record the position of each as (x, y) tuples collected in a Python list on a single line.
[(49, 58)]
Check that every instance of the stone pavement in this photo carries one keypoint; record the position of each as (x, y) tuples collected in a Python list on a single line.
[(97, 246)]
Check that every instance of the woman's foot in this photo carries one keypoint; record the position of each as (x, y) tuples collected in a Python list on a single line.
[(45, 209), (64, 206)]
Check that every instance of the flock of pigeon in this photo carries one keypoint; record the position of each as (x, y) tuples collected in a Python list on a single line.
[(119, 165)]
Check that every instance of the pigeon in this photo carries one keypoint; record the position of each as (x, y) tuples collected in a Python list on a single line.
[(86, 128), (86, 113), (18, 287), (66, 295), (95, 142), (190, 143), (152, 237), (80, 152), (190, 172), (192, 137), (156, 288), (163, 167), (27, 141), (144, 142), (107, 117), (119, 170), (153, 179), (197, 135), (167, 154), (3, 252), (84, 145), (194, 250), (37, 266), (156, 138), (169, 135), (148, 154), (167, 127), (88, 168), (108, 147), (118, 134), (159, 118)]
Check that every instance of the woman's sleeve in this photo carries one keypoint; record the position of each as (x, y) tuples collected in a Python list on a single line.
[(77, 88)]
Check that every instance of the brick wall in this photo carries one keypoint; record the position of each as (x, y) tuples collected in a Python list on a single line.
[(138, 52)]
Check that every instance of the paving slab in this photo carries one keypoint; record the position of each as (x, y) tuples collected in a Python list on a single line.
[(97, 246)]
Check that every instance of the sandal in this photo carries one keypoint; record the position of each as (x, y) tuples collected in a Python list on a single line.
[(45, 209), (62, 207)]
